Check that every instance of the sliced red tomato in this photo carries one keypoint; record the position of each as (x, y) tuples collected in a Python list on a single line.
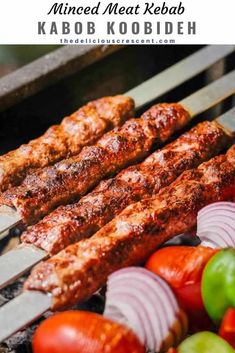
[(227, 327), (84, 332), (182, 267)]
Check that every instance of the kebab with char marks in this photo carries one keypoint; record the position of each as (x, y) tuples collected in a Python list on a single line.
[(74, 222), (70, 223), (75, 273), (81, 128), (66, 181)]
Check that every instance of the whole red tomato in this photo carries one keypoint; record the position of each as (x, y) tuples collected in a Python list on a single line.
[(83, 332), (182, 267)]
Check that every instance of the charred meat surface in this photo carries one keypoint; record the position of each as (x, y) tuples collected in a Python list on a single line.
[(82, 268), (71, 223), (68, 180), (81, 128)]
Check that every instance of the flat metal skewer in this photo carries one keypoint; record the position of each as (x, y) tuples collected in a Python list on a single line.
[(30, 305), (16, 262), (8, 219), (178, 73)]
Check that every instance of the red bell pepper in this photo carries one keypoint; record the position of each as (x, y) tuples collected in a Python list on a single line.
[(227, 327)]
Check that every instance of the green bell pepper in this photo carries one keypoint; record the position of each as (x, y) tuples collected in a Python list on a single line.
[(218, 284), (204, 342)]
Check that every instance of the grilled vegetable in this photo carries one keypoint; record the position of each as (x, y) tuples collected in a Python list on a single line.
[(145, 303), (216, 225), (218, 284), (204, 342), (181, 267), (84, 332), (227, 327)]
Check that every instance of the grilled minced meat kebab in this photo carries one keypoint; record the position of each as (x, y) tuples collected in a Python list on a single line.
[(66, 181), (75, 273), (68, 224), (82, 128)]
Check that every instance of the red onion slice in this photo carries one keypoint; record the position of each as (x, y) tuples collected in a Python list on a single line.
[(149, 285), (145, 317), (143, 301), (128, 304), (148, 290), (216, 225), (132, 270)]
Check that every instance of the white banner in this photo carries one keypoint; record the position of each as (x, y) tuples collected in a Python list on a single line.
[(120, 22)]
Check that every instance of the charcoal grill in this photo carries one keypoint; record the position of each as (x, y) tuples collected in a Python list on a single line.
[(37, 96)]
